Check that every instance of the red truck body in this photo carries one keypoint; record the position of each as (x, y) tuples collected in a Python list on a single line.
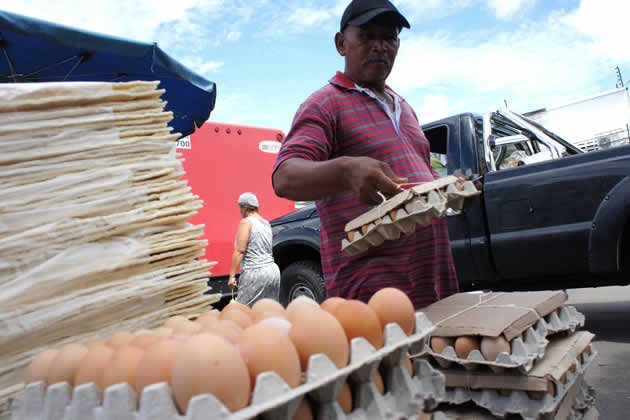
[(222, 161)]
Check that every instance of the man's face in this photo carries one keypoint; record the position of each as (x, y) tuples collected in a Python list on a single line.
[(370, 51)]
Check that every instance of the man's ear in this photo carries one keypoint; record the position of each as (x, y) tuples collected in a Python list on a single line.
[(340, 43)]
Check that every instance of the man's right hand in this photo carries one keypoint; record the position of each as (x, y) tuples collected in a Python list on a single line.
[(366, 177)]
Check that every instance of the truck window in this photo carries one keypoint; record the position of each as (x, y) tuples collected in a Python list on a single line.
[(437, 137)]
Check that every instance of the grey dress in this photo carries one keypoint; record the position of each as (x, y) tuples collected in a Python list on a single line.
[(260, 276)]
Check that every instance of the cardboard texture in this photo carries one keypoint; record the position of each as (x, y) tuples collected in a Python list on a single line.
[(491, 314), (560, 355), (400, 214)]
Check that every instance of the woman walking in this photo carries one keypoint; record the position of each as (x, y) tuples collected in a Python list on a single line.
[(260, 276)]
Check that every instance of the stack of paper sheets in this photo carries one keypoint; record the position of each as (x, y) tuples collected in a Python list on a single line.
[(93, 219)]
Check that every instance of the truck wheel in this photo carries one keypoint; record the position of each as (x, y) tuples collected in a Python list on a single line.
[(302, 278)]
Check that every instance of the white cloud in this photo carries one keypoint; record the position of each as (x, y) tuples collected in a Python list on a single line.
[(434, 108), (606, 22), (309, 17), (505, 9), (202, 66), (134, 19), (524, 65), (233, 36)]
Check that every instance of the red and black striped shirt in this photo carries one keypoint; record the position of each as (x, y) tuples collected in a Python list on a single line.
[(342, 119)]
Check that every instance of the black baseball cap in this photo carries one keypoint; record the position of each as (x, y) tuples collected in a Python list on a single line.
[(360, 12)]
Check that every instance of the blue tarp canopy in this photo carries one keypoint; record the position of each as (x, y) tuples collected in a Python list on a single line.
[(33, 50)]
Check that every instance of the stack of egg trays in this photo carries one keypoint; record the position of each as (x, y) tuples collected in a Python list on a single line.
[(525, 350), (415, 206), (518, 402), (272, 398)]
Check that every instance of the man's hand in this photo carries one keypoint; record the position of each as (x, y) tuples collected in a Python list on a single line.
[(366, 177), (232, 282)]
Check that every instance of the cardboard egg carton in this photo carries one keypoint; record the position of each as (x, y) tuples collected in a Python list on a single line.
[(525, 319), (400, 214), (552, 387), (272, 398)]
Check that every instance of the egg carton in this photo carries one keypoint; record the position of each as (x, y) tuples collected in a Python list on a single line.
[(525, 349), (272, 398), (518, 402), (400, 214)]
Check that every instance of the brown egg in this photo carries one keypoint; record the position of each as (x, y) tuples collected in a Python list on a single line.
[(238, 306), (378, 381), (207, 322), (92, 366), (359, 320), (331, 303), (123, 366), (281, 325), (119, 339), (266, 315), (492, 346), (64, 366), (317, 331), (213, 313), (408, 365), (465, 344), (438, 344), (208, 363), (37, 370), (145, 340), (425, 416), (393, 305), (163, 332), (304, 411), (345, 398), (240, 317), (183, 325), (227, 329), (264, 349), (266, 305), (94, 343), (299, 305), (156, 364), (536, 395)]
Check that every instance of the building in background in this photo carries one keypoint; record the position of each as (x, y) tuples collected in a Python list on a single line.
[(596, 122)]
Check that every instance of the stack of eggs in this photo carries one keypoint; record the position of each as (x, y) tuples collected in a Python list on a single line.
[(511, 353), (224, 352)]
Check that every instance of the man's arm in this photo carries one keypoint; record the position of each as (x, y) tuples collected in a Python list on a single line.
[(305, 180)]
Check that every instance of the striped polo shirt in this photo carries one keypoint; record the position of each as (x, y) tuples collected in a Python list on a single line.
[(342, 119)]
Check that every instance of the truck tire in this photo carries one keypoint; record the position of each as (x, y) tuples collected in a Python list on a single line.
[(302, 278)]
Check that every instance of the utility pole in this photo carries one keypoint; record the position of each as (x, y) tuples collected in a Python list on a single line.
[(619, 79)]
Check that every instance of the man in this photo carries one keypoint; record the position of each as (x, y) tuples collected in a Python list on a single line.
[(350, 140)]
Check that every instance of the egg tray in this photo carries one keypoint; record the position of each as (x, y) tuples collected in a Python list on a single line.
[(518, 402), (401, 213), (272, 398), (525, 350), (582, 407)]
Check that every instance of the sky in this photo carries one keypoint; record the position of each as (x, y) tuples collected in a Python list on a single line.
[(268, 56)]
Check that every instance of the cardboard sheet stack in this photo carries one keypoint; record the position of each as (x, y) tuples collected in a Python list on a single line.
[(511, 355), (93, 219)]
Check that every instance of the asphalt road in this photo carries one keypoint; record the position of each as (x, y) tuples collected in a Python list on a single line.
[(607, 312)]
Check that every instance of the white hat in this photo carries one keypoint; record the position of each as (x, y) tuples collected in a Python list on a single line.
[(248, 199)]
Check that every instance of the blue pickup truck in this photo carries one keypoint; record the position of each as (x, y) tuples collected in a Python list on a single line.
[(550, 216)]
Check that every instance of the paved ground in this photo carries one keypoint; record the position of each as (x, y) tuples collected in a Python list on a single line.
[(607, 312)]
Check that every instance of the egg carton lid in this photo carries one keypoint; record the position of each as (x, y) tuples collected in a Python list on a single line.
[(525, 350), (272, 398), (400, 214), (518, 402)]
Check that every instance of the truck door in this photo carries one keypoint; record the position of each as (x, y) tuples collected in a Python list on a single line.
[(452, 141)]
